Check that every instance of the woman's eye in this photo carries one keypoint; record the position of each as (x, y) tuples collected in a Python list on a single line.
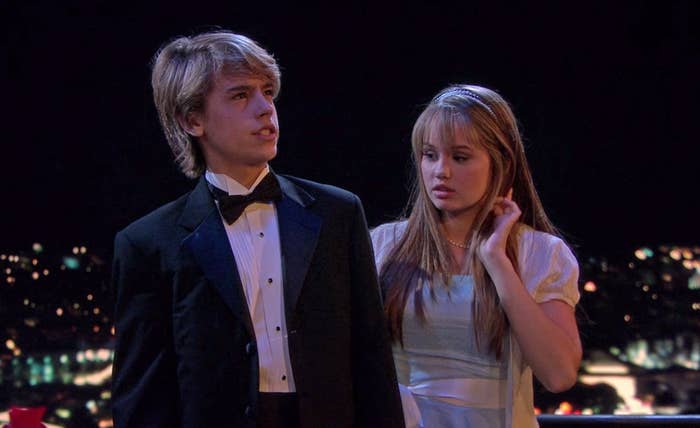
[(429, 155)]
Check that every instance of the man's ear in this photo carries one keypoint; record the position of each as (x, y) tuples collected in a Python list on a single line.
[(192, 123)]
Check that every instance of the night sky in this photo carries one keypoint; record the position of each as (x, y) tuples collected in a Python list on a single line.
[(606, 95)]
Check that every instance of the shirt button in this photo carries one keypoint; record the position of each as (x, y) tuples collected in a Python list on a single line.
[(262, 235), (269, 280), (284, 377), (278, 328)]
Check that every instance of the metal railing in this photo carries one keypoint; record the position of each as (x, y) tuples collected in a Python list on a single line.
[(614, 421)]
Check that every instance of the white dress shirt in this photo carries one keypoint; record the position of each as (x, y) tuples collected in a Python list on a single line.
[(255, 242)]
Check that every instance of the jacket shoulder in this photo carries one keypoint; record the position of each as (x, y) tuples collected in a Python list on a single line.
[(159, 222), (321, 191)]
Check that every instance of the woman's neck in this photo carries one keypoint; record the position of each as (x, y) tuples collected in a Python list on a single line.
[(457, 228)]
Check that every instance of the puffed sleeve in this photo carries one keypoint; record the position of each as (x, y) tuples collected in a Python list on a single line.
[(384, 237), (548, 268)]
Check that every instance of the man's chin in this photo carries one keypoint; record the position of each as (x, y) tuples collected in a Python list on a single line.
[(271, 154), (262, 161)]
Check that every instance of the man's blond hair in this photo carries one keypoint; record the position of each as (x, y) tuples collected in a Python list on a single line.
[(183, 74)]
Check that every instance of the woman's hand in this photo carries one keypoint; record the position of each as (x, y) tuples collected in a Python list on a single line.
[(506, 212), (546, 332)]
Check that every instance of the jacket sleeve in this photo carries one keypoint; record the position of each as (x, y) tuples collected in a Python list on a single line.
[(144, 388), (376, 394)]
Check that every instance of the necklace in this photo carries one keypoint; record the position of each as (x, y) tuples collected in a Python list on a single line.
[(463, 245)]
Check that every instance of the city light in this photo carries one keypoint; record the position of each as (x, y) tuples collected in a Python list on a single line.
[(590, 286), (71, 262), (643, 253)]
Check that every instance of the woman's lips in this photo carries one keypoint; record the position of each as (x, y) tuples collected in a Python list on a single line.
[(442, 192)]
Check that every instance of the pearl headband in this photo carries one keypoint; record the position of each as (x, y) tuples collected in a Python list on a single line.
[(470, 94)]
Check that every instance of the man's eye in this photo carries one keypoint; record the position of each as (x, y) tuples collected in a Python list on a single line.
[(460, 158), (270, 92), (238, 96)]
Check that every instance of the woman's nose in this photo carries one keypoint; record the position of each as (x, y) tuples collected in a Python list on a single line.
[(442, 168)]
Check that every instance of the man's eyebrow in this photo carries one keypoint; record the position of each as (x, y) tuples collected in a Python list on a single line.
[(245, 87), (239, 88)]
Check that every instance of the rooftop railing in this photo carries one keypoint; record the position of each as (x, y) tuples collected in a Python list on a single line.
[(615, 421)]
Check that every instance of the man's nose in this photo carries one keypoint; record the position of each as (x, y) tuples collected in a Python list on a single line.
[(264, 105)]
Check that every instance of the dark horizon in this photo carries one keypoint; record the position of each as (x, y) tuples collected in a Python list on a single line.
[(605, 95)]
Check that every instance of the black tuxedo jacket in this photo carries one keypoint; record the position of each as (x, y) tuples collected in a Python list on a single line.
[(185, 348)]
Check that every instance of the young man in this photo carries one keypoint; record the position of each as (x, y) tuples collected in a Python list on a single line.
[(255, 310)]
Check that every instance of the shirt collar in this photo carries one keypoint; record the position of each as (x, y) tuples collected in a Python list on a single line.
[(231, 186)]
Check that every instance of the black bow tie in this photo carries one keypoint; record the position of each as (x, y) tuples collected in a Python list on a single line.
[(232, 206)]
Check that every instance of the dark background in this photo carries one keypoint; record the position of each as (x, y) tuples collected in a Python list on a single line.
[(606, 94)]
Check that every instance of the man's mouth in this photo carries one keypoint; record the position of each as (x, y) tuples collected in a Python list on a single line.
[(266, 131)]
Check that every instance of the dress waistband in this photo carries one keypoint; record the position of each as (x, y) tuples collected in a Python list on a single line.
[(468, 392)]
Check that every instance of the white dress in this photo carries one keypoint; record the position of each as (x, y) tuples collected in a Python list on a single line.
[(446, 381)]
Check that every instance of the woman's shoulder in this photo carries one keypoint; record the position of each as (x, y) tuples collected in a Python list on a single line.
[(391, 229), (532, 241), (385, 236), (548, 267)]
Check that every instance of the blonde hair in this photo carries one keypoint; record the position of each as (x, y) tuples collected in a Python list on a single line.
[(183, 73), (422, 255)]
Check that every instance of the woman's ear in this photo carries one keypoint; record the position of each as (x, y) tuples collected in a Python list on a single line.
[(509, 177), (192, 123)]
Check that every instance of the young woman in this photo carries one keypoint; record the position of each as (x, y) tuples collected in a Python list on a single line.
[(479, 290)]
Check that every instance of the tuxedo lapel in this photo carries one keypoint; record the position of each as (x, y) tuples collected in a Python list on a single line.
[(210, 248), (299, 231)]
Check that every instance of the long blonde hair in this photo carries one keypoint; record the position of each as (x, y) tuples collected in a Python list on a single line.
[(421, 255)]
